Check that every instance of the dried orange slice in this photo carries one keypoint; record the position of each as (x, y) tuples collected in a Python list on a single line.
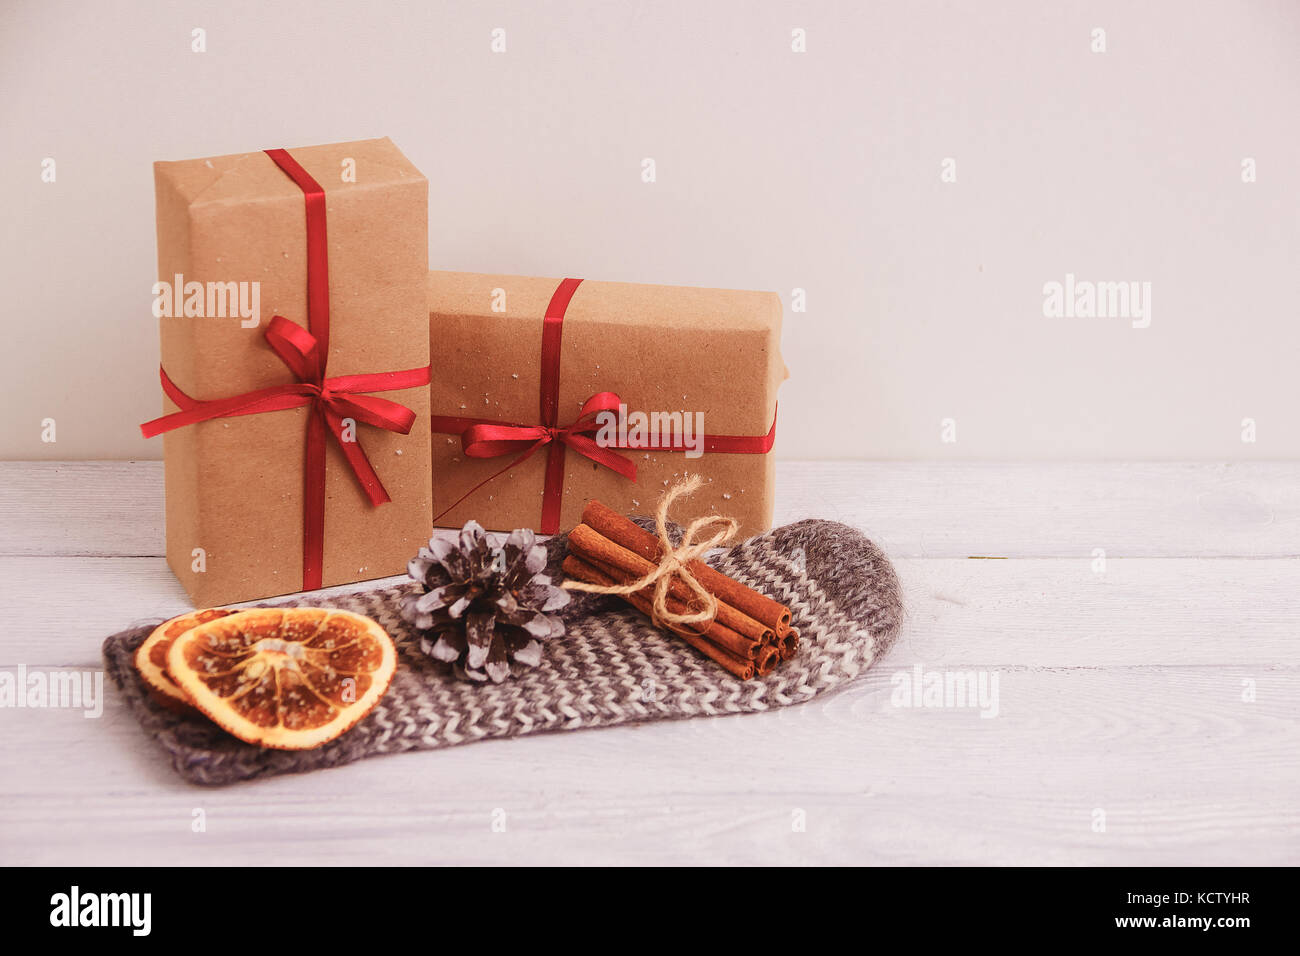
[(151, 657), (286, 678)]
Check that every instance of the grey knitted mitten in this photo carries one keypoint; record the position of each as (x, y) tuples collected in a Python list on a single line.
[(612, 667)]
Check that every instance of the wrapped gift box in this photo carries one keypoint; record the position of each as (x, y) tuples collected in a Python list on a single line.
[(710, 355), (237, 485)]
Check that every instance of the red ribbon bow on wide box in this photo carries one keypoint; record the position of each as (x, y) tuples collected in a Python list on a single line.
[(305, 351), (483, 438)]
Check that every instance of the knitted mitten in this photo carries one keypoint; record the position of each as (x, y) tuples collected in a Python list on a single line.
[(612, 667)]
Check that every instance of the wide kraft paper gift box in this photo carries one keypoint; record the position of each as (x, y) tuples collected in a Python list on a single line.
[(235, 485), (658, 348)]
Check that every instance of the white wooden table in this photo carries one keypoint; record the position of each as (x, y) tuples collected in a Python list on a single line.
[(1123, 688)]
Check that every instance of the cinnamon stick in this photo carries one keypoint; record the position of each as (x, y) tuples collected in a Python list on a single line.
[(729, 640), (593, 544), (577, 568), (768, 658), (789, 644), (629, 535)]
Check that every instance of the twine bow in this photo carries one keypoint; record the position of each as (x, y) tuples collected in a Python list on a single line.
[(674, 562)]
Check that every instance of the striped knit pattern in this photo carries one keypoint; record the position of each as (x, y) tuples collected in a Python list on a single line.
[(611, 668)]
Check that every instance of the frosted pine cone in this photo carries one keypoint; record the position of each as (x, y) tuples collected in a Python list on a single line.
[(484, 608)]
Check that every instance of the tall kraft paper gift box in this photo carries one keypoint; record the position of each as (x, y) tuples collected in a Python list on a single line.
[(236, 485), (658, 349)]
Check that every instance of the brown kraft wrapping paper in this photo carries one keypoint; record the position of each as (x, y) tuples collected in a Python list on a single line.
[(234, 486), (660, 348)]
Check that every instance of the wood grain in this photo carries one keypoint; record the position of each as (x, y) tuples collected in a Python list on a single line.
[(1122, 690), (1027, 612), (1180, 764), (1039, 509), (914, 509)]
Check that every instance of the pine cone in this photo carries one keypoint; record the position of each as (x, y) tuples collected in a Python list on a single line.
[(484, 608)]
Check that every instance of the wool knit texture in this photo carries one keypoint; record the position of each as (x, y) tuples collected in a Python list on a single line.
[(612, 667)]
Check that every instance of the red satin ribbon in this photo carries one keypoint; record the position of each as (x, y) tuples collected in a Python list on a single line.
[(482, 438), (306, 352)]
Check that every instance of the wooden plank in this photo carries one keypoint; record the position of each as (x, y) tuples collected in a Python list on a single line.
[(1120, 687), (1138, 611), (1184, 769), (1040, 509), (82, 508), (1022, 612), (914, 509), (76, 602)]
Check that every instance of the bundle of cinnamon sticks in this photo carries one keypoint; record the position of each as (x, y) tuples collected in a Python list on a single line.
[(750, 633)]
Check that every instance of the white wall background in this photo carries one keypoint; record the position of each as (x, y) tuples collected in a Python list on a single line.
[(776, 170)]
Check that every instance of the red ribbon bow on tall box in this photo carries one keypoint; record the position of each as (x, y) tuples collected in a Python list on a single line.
[(330, 399), (486, 438)]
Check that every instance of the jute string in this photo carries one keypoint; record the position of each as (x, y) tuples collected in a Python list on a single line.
[(674, 562)]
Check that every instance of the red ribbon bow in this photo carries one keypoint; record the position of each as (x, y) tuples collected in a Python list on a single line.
[(492, 440), (488, 439), (331, 399)]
